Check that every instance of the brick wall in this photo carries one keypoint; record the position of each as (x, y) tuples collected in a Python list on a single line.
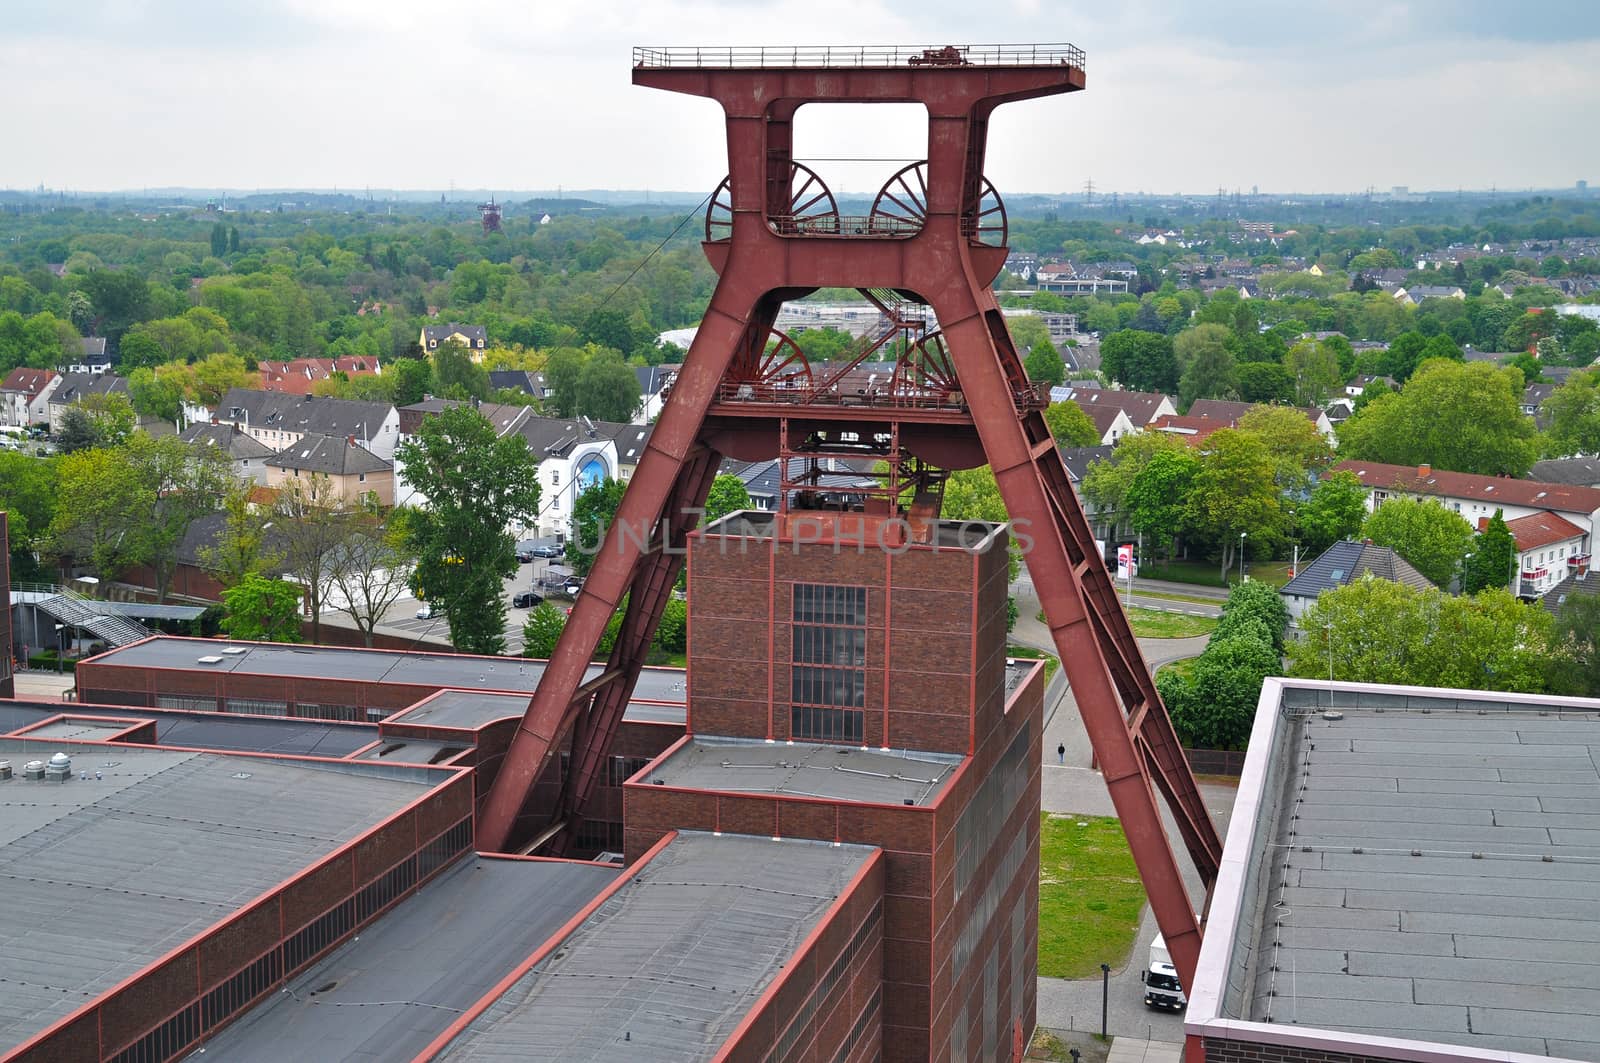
[(1221, 1050), (7, 680)]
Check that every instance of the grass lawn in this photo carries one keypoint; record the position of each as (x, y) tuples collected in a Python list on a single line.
[(1184, 667), (1168, 596), (1156, 624), (1028, 652), (1090, 897), (1207, 574)]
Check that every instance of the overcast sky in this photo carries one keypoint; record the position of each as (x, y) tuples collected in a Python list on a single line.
[(531, 94)]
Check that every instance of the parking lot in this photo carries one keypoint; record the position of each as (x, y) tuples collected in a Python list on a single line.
[(401, 619)]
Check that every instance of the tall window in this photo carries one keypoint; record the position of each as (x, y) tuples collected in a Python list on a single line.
[(828, 679)]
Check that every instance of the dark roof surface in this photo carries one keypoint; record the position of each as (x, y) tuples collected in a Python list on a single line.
[(804, 769), (1078, 459), (433, 956), (673, 960), (277, 411), (226, 732), (436, 670), (1440, 875), (236, 444), (1583, 472), (332, 455), (104, 876), (1344, 562), (76, 386)]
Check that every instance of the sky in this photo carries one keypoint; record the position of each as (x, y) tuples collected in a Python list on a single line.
[(106, 95)]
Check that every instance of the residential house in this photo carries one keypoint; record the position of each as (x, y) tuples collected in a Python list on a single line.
[(246, 455), (278, 420), (764, 482), (25, 396), (1578, 583), (1222, 410), (1387, 279), (630, 440), (75, 387), (1583, 472), (1533, 400), (300, 375), (523, 380), (1195, 430), (1416, 294), (353, 471), (1549, 548), (1110, 421), (654, 383), (1142, 407), (1109, 528), (1356, 387), (1342, 564), (95, 359), (475, 338), (1478, 498)]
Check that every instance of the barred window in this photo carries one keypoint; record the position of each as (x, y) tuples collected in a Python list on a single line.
[(828, 683)]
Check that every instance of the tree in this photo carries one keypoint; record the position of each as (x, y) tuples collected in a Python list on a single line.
[(180, 484), (1043, 364), (1215, 708), (478, 485), (1335, 511), (100, 504), (103, 420), (1431, 537), (1314, 367), (672, 633), (412, 377), (241, 546), (561, 372), (262, 608), (1264, 382), (728, 494), (371, 568), (607, 388), (1298, 449), (455, 375), (1142, 361), (1106, 483), (1463, 417), (1209, 370), (1233, 491), (1069, 425), (1574, 413), (1157, 497), (28, 490), (593, 515), (1574, 646), (310, 521), (1377, 631), (542, 630), (155, 396), (1494, 551), (1258, 603)]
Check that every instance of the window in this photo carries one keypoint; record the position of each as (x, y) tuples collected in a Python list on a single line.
[(828, 683), (361, 477), (555, 477)]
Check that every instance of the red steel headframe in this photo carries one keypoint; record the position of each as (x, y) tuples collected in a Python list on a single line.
[(773, 235)]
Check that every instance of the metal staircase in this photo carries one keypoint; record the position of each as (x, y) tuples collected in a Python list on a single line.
[(70, 607)]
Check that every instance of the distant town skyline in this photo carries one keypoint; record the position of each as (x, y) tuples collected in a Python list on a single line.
[(296, 94)]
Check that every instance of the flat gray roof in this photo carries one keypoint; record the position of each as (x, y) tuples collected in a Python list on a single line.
[(212, 731), (667, 966), (387, 994), (1425, 867), (803, 769), (472, 709), (426, 669), (101, 877)]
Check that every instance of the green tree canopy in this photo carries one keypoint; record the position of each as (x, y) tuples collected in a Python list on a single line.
[(1336, 509), (1434, 539), (593, 516), (1377, 631), (542, 630), (727, 495), (1233, 492), (1043, 364), (1209, 369), (1463, 417), (1157, 499), (1489, 562), (477, 485), (1139, 360), (1069, 425), (263, 609)]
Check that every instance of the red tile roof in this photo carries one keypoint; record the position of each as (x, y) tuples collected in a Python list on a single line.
[(28, 381), (296, 377), (1192, 429), (1423, 480), (1542, 529)]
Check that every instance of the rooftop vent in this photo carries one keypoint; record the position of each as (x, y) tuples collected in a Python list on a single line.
[(33, 770), (5, 770), (209, 658), (59, 769), (234, 650)]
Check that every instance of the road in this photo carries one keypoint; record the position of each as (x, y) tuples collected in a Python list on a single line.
[(401, 617)]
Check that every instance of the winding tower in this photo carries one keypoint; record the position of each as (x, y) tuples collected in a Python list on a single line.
[(957, 397)]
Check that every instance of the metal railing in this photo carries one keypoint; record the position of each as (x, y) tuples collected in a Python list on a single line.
[(875, 226), (834, 56), (70, 607)]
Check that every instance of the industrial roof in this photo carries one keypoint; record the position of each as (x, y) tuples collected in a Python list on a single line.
[(972, 536), (394, 988), (474, 709), (669, 964), (102, 876), (1425, 866), (212, 730), (438, 670), (802, 769)]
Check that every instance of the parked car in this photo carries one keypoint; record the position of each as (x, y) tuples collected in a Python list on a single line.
[(573, 587), (524, 555), (426, 612), (525, 600), (550, 550)]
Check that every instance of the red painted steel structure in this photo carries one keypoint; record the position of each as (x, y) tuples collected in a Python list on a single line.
[(959, 398)]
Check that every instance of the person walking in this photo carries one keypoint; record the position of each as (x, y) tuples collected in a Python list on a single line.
[(1061, 753)]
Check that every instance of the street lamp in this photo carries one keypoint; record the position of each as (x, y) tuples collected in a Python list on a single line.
[(1105, 996), (1241, 555), (1327, 629)]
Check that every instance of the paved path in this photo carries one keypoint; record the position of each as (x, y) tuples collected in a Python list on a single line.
[(42, 686)]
